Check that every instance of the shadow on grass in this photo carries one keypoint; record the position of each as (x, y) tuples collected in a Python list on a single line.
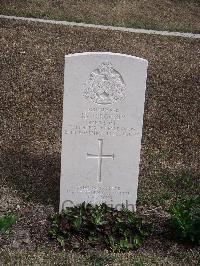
[(35, 177)]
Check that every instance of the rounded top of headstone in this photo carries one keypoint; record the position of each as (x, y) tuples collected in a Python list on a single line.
[(108, 54)]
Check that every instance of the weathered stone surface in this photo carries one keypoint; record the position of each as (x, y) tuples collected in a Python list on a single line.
[(102, 127)]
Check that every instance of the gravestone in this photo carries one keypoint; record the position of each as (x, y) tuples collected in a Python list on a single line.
[(104, 96)]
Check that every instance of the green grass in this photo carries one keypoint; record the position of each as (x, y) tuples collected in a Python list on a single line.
[(6, 222)]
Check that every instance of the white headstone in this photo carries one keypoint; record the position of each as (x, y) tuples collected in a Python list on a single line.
[(104, 96)]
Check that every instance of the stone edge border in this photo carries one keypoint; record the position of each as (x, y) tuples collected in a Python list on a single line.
[(103, 27)]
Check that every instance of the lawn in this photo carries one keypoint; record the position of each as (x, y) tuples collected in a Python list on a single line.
[(32, 64), (173, 15)]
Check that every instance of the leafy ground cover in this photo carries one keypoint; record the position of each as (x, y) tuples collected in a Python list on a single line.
[(99, 225), (185, 219), (32, 61), (6, 222), (171, 15)]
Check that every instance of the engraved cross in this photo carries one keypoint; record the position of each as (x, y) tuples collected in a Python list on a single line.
[(100, 156)]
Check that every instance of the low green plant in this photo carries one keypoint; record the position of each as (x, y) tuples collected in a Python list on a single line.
[(185, 219), (99, 225), (6, 222)]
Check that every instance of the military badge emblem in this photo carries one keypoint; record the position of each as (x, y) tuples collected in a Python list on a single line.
[(105, 85)]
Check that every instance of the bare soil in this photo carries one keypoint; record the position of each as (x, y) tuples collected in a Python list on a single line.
[(32, 63), (174, 15)]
